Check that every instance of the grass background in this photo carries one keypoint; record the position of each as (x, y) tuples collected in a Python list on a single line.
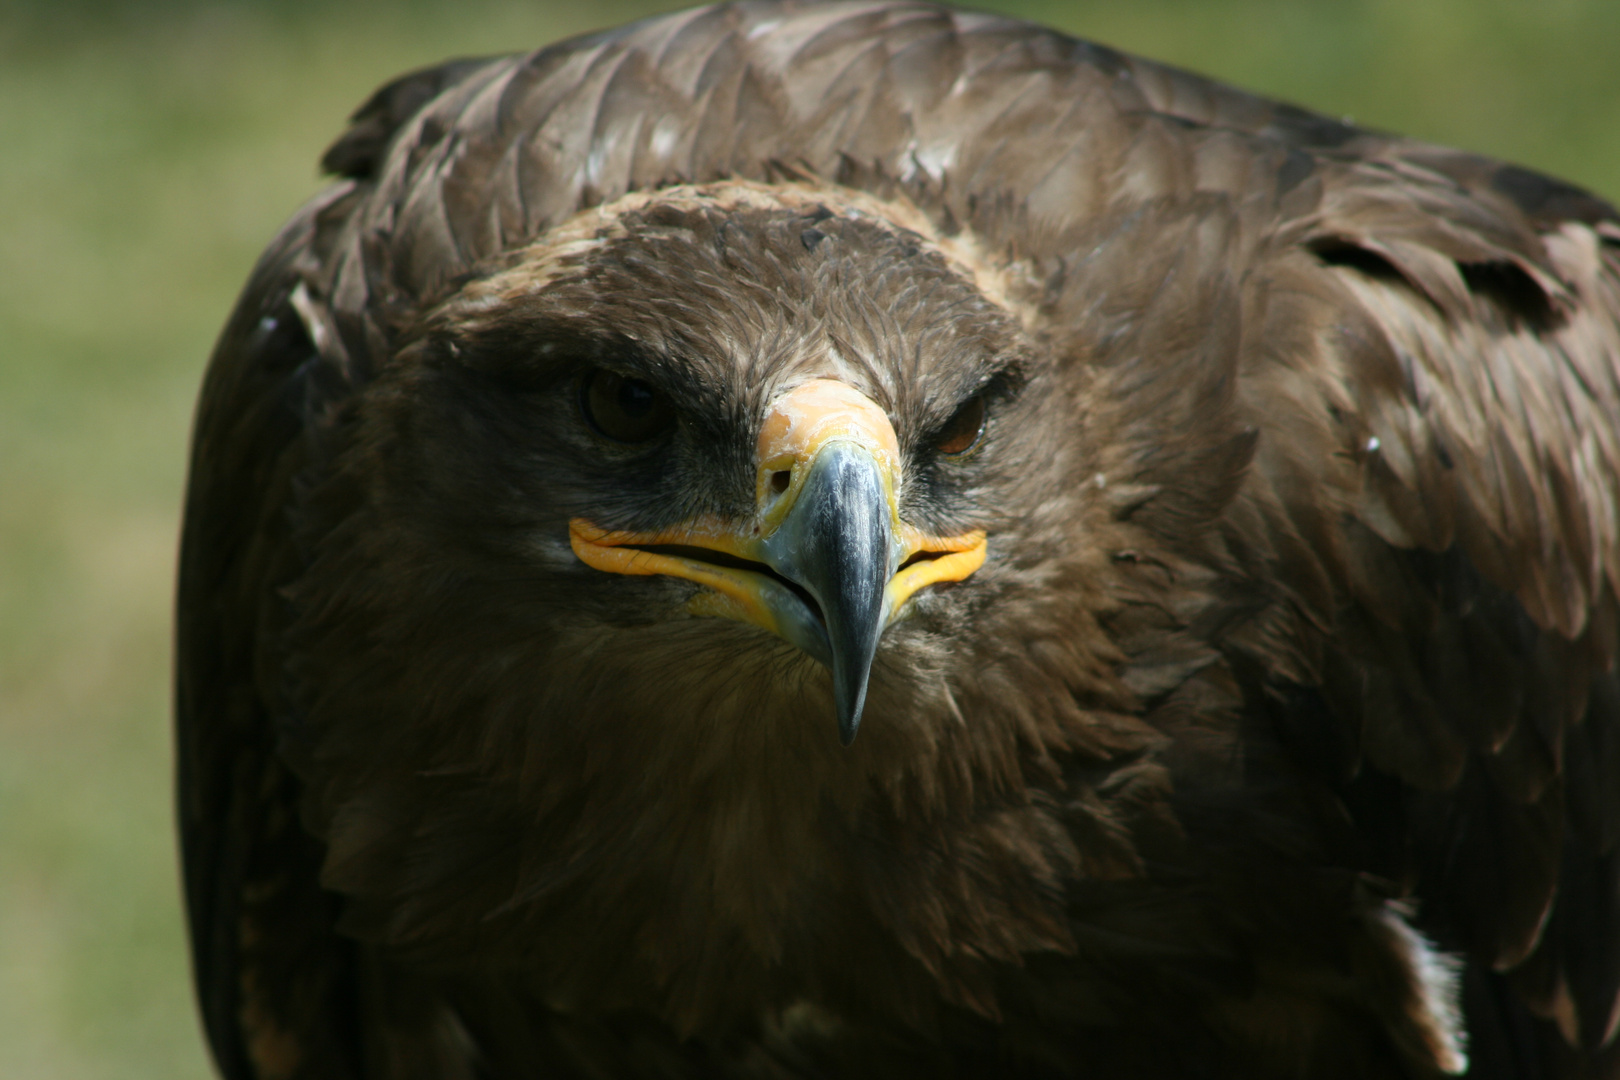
[(148, 151)]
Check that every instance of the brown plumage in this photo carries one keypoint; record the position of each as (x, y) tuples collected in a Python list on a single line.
[(1278, 734)]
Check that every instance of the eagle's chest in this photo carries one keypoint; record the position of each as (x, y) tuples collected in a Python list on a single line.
[(745, 906), (711, 908)]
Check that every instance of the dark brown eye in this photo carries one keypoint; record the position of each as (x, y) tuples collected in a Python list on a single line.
[(961, 432), (627, 410)]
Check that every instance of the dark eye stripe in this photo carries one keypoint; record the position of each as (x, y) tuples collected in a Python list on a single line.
[(625, 410)]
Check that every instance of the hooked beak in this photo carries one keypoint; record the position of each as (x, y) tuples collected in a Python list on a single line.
[(825, 562)]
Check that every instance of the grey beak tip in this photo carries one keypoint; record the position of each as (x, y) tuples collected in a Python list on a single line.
[(850, 699), (847, 727)]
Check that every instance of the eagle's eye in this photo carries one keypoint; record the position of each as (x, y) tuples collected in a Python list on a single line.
[(962, 431), (625, 410)]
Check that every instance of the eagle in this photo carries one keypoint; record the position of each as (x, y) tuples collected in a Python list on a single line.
[(870, 540)]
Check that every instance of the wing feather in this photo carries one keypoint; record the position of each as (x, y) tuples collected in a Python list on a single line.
[(260, 926), (1480, 348)]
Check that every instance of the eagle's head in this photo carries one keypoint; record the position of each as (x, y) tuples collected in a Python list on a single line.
[(766, 405), (640, 522)]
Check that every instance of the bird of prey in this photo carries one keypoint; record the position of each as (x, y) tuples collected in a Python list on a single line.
[(868, 540)]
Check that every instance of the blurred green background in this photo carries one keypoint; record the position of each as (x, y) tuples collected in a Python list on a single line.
[(148, 151)]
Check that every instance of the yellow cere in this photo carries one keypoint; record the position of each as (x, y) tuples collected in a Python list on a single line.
[(800, 423)]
